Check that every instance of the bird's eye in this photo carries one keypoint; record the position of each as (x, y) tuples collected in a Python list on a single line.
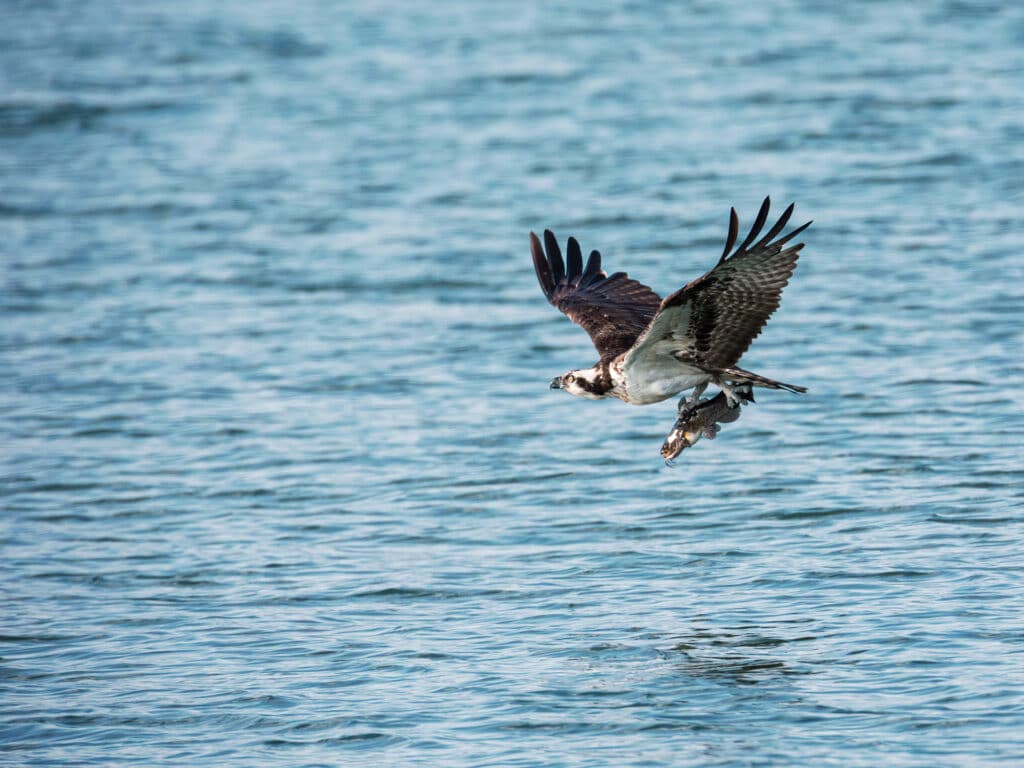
[(569, 378)]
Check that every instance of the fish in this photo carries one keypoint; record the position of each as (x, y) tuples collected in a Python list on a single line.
[(702, 419)]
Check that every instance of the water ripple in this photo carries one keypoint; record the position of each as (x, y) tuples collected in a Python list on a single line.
[(281, 476)]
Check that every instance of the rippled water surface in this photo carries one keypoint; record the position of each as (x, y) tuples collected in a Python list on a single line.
[(281, 477)]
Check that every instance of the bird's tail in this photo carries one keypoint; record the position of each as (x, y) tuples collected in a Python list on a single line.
[(757, 380)]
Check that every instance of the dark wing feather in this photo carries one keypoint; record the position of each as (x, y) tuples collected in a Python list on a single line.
[(613, 310), (712, 321)]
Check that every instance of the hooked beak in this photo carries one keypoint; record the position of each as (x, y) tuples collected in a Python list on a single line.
[(556, 383)]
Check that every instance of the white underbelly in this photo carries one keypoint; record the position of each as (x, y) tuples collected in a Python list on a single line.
[(656, 383)]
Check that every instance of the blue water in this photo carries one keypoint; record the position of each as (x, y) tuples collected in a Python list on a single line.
[(281, 477)]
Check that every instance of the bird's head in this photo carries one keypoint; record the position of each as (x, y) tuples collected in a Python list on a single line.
[(582, 383)]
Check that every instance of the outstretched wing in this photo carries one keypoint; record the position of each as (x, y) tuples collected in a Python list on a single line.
[(614, 310), (711, 321)]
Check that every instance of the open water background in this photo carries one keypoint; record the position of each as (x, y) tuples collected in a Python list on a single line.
[(281, 478)]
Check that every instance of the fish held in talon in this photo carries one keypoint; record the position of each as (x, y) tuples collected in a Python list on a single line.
[(651, 349), (703, 420)]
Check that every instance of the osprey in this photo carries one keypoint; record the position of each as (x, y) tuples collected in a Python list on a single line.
[(651, 348)]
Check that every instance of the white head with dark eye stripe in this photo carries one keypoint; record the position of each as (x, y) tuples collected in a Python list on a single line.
[(591, 383)]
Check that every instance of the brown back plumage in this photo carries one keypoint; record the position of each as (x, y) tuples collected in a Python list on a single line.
[(614, 310)]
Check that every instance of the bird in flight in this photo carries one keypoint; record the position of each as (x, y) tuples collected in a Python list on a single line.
[(652, 348)]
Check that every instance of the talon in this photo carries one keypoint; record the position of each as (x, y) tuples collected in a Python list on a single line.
[(734, 394), (689, 404)]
